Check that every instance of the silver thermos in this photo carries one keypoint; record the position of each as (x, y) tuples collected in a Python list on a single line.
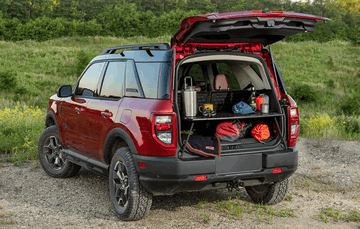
[(189, 98)]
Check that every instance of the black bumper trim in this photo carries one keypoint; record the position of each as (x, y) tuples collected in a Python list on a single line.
[(169, 175)]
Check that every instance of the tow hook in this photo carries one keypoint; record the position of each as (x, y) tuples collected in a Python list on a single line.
[(235, 184)]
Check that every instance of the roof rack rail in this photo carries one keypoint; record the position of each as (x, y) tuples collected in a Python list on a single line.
[(159, 46)]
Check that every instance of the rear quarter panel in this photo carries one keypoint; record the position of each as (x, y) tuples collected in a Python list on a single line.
[(135, 117)]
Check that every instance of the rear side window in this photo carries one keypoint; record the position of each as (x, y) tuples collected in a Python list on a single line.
[(88, 82), (113, 84), (155, 79), (196, 72), (224, 68), (132, 84)]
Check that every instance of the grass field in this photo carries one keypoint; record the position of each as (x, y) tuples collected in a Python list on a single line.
[(324, 79)]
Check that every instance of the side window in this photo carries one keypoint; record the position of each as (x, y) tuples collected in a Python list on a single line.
[(88, 82), (149, 76), (113, 84), (256, 69), (224, 68), (196, 72), (132, 85)]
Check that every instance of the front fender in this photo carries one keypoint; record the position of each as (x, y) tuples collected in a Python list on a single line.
[(50, 119)]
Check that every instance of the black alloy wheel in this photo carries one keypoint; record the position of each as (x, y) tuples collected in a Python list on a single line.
[(52, 152), (121, 181), (131, 201), (51, 157)]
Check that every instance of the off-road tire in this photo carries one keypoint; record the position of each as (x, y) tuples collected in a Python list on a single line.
[(67, 168), (138, 200), (269, 193)]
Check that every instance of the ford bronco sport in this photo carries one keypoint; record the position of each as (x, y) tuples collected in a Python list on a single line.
[(126, 116)]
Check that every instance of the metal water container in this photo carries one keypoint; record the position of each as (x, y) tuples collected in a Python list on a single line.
[(189, 98)]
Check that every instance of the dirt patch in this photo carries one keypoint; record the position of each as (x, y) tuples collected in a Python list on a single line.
[(327, 177)]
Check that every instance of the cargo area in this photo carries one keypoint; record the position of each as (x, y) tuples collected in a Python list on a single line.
[(221, 81)]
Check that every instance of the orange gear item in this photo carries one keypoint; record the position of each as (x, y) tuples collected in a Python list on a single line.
[(259, 100), (260, 132)]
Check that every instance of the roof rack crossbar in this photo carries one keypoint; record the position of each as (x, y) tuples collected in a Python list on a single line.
[(159, 46)]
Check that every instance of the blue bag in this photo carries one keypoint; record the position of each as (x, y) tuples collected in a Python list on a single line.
[(242, 108)]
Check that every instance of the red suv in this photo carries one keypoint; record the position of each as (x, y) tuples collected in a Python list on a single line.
[(135, 110)]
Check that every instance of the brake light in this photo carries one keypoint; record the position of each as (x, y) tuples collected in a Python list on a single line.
[(163, 126), (163, 129), (293, 121)]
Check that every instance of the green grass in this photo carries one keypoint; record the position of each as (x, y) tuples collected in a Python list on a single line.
[(331, 73), (20, 128), (235, 208), (330, 214)]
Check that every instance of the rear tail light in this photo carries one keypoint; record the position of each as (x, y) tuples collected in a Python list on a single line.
[(293, 121), (163, 129)]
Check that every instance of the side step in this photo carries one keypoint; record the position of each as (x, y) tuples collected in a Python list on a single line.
[(87, 162)]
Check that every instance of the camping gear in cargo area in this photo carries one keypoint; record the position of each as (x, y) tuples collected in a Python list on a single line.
[(261, 132), (207, 110), (242, 108), (204, 146), (262, 103), (232, 130), (209, 113), (189, 96)]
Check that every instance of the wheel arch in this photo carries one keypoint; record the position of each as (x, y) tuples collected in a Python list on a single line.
[(117, 138), (50, 120)]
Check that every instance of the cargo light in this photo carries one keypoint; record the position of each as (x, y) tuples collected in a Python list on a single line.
[(198, 178), (278, 170)]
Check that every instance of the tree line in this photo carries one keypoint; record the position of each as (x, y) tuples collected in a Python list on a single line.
[(48, 19)]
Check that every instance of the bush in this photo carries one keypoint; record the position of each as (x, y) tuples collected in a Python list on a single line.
[(21, 127), (41, 29), (348, 124), (318, 126), (305, 93), (351, 105), (7, 80), (80, 28)]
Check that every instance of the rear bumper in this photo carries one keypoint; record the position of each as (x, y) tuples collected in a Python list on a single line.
[(169, 175)]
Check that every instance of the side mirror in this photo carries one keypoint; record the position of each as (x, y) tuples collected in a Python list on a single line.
[(64, 91)]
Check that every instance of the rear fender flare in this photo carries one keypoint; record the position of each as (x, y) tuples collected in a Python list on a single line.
[(111, 137)]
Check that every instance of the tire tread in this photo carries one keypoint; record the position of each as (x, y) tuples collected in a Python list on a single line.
[(142, 199)]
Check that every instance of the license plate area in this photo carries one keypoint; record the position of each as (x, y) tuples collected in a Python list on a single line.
[(238, 164)]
